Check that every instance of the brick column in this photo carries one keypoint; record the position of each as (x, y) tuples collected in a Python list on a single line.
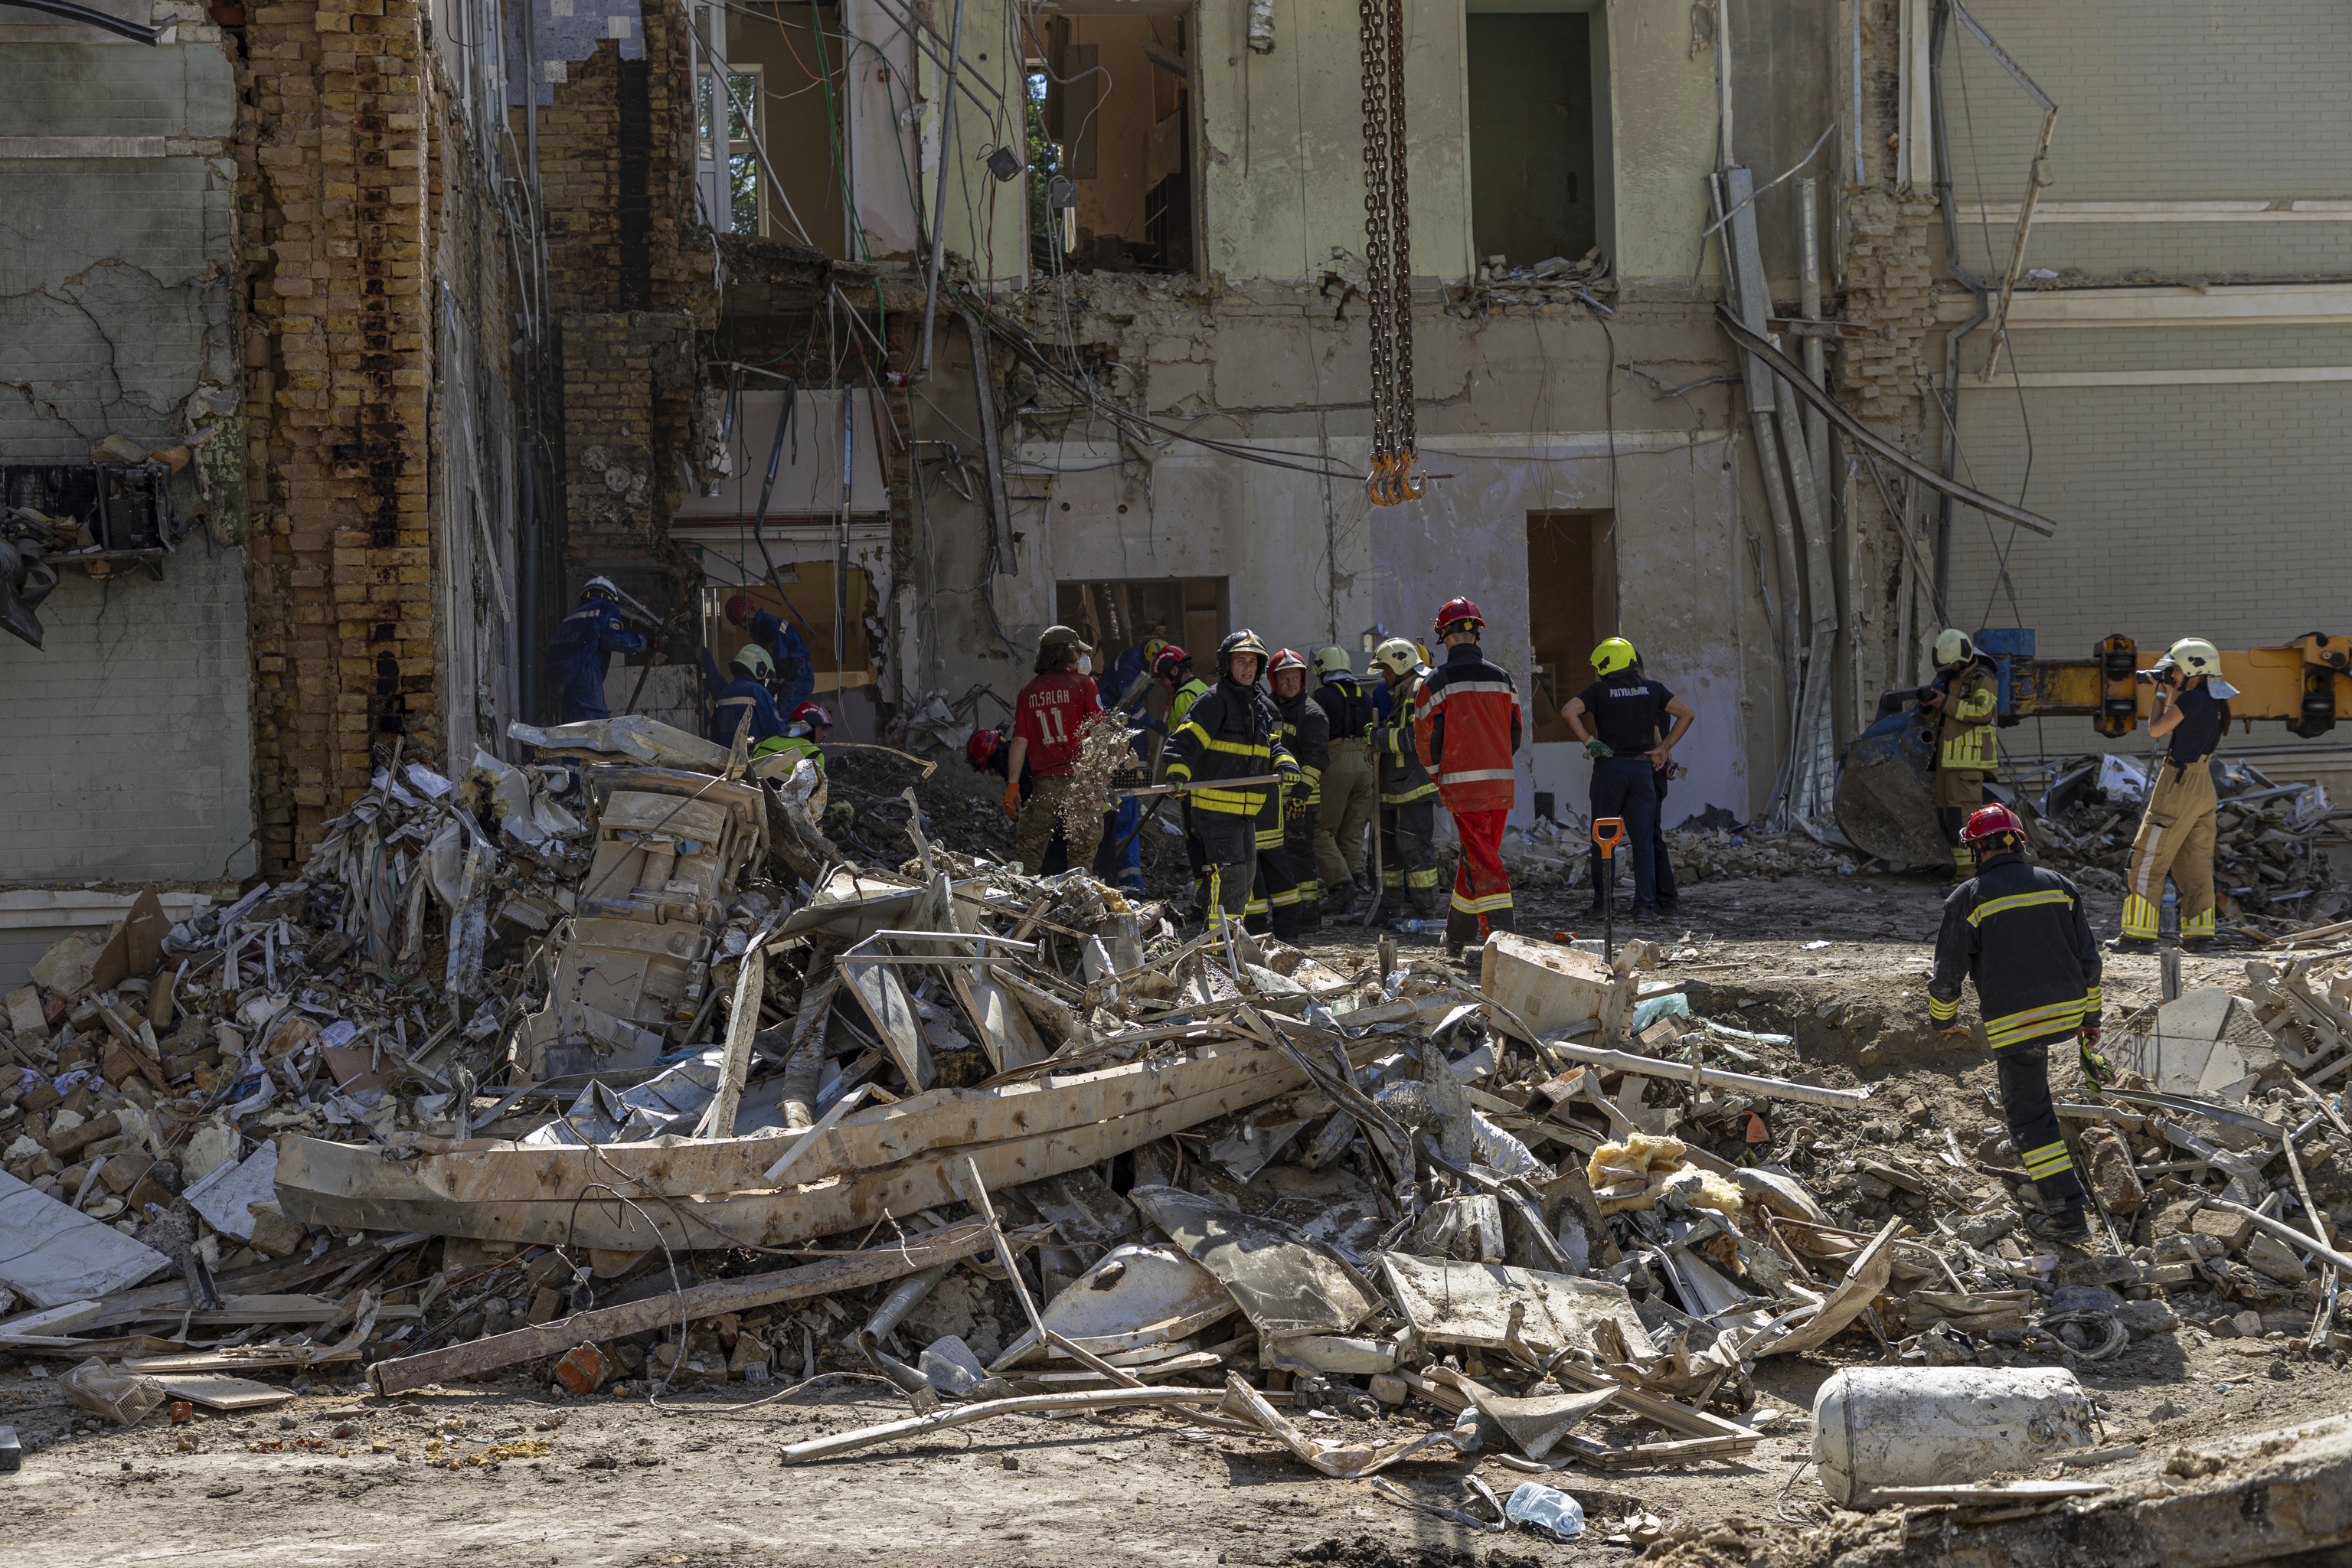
[(335, 215)]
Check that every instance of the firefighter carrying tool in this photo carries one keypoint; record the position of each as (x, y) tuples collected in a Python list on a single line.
[(1407, 829), (1961, 701), (1230, 731), (1466, 733), (2019, 933)]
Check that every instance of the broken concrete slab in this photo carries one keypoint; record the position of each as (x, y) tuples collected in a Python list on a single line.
[(1284, 1282), (1544, 986), (1489, 1305), (53, 1256)]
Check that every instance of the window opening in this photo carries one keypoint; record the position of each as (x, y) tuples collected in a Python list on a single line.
[(1534, 139)]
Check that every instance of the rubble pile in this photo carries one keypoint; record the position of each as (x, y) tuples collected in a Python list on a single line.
[(1709, 847), (620, 1072), (2271, 873)]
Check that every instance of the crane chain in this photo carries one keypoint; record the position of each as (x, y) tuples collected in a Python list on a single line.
[(1388, 264)]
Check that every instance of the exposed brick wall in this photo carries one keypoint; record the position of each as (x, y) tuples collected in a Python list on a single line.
[(627, 379), (338, 559)]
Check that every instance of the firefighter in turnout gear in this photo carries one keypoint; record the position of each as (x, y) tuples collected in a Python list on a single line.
[(1408, 794), (1173, 670), (1229, 732), (2019, 933), (803, 733), (1467, 733), (1961, 701), (1307, 734), (744, 701), (2176, 830), (1349, 790)]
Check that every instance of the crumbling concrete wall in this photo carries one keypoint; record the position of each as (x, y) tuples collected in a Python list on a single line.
[(118, 263)]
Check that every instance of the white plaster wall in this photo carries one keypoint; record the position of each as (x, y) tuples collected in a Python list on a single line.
[(1302, 575)]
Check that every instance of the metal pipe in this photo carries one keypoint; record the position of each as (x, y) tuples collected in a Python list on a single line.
[(1951, 399), (1861, 176), (939, 197), (1723, 78), (91, 18)]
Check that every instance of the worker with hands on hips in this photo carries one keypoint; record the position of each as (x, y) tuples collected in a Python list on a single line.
[(2019, 933), (1628, 711)]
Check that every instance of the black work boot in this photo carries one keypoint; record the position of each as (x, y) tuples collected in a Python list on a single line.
[(2130, 944), (2067, 1226), (1339, 900)]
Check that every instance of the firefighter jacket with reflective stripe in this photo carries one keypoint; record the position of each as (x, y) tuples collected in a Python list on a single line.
[(1343, 703), (799, 746), (1403, 778), (1468, 731), (1228, 732), (1965, 736), (1307, 734), (2019, 933), (1191, 691)]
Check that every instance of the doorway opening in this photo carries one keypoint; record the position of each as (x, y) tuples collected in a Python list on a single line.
[(1571, 586)]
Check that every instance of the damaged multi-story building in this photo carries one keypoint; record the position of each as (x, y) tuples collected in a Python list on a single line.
[(382, 326)]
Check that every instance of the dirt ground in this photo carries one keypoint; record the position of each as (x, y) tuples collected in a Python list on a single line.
[(520, 1477)]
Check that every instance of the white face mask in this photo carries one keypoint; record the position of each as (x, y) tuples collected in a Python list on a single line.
[(1086, 664)]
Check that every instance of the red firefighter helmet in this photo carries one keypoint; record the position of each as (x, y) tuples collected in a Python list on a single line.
[(982, 745), (1285, 658), (1990, 822), (1172, 659), (1459, 614), (811, 713)]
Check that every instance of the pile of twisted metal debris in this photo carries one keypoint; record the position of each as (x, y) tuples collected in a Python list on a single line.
[(613, 1070)]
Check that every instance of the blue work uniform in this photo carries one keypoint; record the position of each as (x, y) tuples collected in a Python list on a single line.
[(583, 642), (795, 674), (727, 712)]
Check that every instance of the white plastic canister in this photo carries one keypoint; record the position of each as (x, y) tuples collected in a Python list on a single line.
[(1913, 1426)]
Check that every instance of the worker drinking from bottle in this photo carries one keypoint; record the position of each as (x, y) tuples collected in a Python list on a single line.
[(2176, 830), (1627, 712)]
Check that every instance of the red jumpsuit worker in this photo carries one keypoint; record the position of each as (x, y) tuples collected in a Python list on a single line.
[(1467, 732)]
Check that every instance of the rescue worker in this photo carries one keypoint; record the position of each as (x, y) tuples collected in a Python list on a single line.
[(1961, 701), (796, 672), (2019, 931), (1307, 734), (1467, 732), (1628, 711), (584, 644), (805, 729), (1126, 689), (1347, 790), (2176, 830), (1230, 731), (746, 694), (1174, 670), (1408, 794), (1049, 719)]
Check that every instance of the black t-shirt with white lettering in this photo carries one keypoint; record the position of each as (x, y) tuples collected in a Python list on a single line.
[(1626, 711)]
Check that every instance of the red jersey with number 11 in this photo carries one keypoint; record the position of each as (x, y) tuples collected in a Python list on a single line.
[(1049, 713)]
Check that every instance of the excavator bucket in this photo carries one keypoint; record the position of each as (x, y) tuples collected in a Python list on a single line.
[(1883, 799)]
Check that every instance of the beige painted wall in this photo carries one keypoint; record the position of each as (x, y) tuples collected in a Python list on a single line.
[(986, 219)]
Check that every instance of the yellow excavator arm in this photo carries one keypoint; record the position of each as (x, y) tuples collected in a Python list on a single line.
[(2306, 683)]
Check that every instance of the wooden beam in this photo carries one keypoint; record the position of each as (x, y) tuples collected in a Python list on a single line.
[(850, 1271), (742, 1023)]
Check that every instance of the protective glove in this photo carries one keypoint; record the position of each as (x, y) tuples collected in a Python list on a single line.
[(1287, 769), (2097, 1071), (1597, 749), (1013, 798)]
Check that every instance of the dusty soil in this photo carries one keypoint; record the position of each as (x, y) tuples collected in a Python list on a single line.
[(344, 1476)]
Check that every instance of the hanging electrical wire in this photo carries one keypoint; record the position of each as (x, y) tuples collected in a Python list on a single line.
[(1388, 255)]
